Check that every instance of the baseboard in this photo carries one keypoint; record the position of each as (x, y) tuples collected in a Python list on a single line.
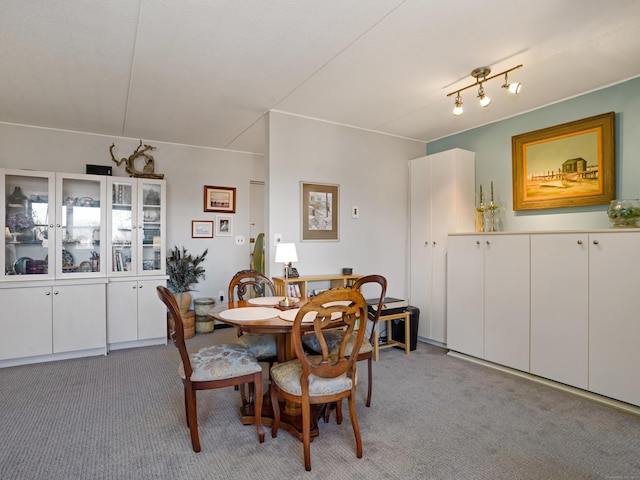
[(627, 407)]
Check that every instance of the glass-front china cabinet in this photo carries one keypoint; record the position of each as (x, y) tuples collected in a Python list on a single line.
[(52, 225)]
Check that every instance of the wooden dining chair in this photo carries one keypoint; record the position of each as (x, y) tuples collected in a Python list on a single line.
[(327, 377), (334, 338), (264, 346), (211, 367)]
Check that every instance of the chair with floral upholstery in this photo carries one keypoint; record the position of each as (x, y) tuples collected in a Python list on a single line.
[(335, 337), (329, 376), (211, 367)]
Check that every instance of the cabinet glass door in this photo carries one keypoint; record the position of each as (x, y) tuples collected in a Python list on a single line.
[(123, 223), (80, 206), (28, 225), (151, 227)]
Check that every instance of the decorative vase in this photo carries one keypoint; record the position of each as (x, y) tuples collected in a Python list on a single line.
[(17, 198), (624, 213), (183, 299)]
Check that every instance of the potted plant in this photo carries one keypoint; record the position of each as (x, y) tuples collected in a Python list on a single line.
[(184, 270)]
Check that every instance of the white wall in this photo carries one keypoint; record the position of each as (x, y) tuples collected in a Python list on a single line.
[(187, 169), (373, 174)]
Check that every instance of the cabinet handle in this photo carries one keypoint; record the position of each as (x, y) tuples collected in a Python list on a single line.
[(58, 225), (434, 244), (488, 242), (477, 242), (51, 225), (426, 244), (134, 287), (595, 242), (579, 242), (140, 286), (48, 293), (55, 292)]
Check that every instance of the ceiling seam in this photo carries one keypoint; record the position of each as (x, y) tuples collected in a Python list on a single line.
[(133, 59), (339, 53)]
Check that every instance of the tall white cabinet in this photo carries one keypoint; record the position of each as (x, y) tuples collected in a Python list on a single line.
[(442, 201), (136, 263), (52, 286)]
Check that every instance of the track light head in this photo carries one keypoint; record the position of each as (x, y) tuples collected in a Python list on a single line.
[(512, 87), (457, 109), (484, 100)]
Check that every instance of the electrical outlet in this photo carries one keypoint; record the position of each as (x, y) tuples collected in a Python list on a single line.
[(239, 240), (277, 238), (221, 296)]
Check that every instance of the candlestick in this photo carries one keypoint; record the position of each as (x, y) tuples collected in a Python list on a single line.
[(491, 191)]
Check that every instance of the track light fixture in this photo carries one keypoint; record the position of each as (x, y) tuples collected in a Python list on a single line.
[(481, 76)]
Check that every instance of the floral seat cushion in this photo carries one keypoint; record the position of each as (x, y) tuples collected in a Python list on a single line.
[(220, 361), (287, 376), (333, 339), (260, 344)]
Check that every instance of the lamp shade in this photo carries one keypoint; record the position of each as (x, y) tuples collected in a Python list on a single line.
[(286, 253)]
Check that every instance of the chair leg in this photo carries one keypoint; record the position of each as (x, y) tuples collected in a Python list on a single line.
[(370, 384), (306, 434), (186, 404), (257, 381), (339, 412), (354, 423), (276, 410), (192, 419)]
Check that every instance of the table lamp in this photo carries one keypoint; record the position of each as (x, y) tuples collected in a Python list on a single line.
[(286, 253)]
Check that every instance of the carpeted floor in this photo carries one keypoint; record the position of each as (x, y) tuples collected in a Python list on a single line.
[(432, 417)]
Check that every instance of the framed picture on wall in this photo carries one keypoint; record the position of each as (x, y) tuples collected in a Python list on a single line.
[(319, 207), (219, 199), (568, 165), (201, 228), (224, 225)]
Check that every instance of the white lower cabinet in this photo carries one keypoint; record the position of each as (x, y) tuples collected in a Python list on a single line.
[(562, 306), (54, 319), (135, 314), (488, 298)]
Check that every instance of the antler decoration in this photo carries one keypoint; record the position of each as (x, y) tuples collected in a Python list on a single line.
[(149, 163)]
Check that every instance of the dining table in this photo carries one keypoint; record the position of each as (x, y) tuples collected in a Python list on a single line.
[(265, 315)]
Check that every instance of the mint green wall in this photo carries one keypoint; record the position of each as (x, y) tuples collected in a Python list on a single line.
[(492, 144)]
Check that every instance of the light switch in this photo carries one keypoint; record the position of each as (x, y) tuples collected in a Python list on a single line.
[(355, 211)]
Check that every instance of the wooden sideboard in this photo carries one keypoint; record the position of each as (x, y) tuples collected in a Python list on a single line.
[(321, 281)]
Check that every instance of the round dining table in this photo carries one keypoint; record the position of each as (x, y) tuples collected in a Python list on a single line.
[(264, 315)]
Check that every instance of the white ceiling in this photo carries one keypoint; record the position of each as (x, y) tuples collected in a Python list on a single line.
[(204, 72)]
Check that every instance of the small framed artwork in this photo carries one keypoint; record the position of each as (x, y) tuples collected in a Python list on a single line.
[(219, 199), (201, 228), (224, 225), (568, 165), (319, 207)]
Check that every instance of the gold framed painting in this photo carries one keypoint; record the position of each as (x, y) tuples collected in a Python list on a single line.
[(319, 211), (567, 165)]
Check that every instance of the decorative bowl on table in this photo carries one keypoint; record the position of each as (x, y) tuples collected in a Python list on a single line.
[(624, 213)]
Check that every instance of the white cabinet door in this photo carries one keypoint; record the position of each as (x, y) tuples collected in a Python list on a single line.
[(25, 322), (79, 317), (421, 248), (152, 313), (506, 307), (560, 307), (122, 311), (614, 327), (465, 295), (135, 312)]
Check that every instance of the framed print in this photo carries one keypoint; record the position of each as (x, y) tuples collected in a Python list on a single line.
[(319, 211), (224, 225), (201, 228), (219, 199), (569, 165)]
